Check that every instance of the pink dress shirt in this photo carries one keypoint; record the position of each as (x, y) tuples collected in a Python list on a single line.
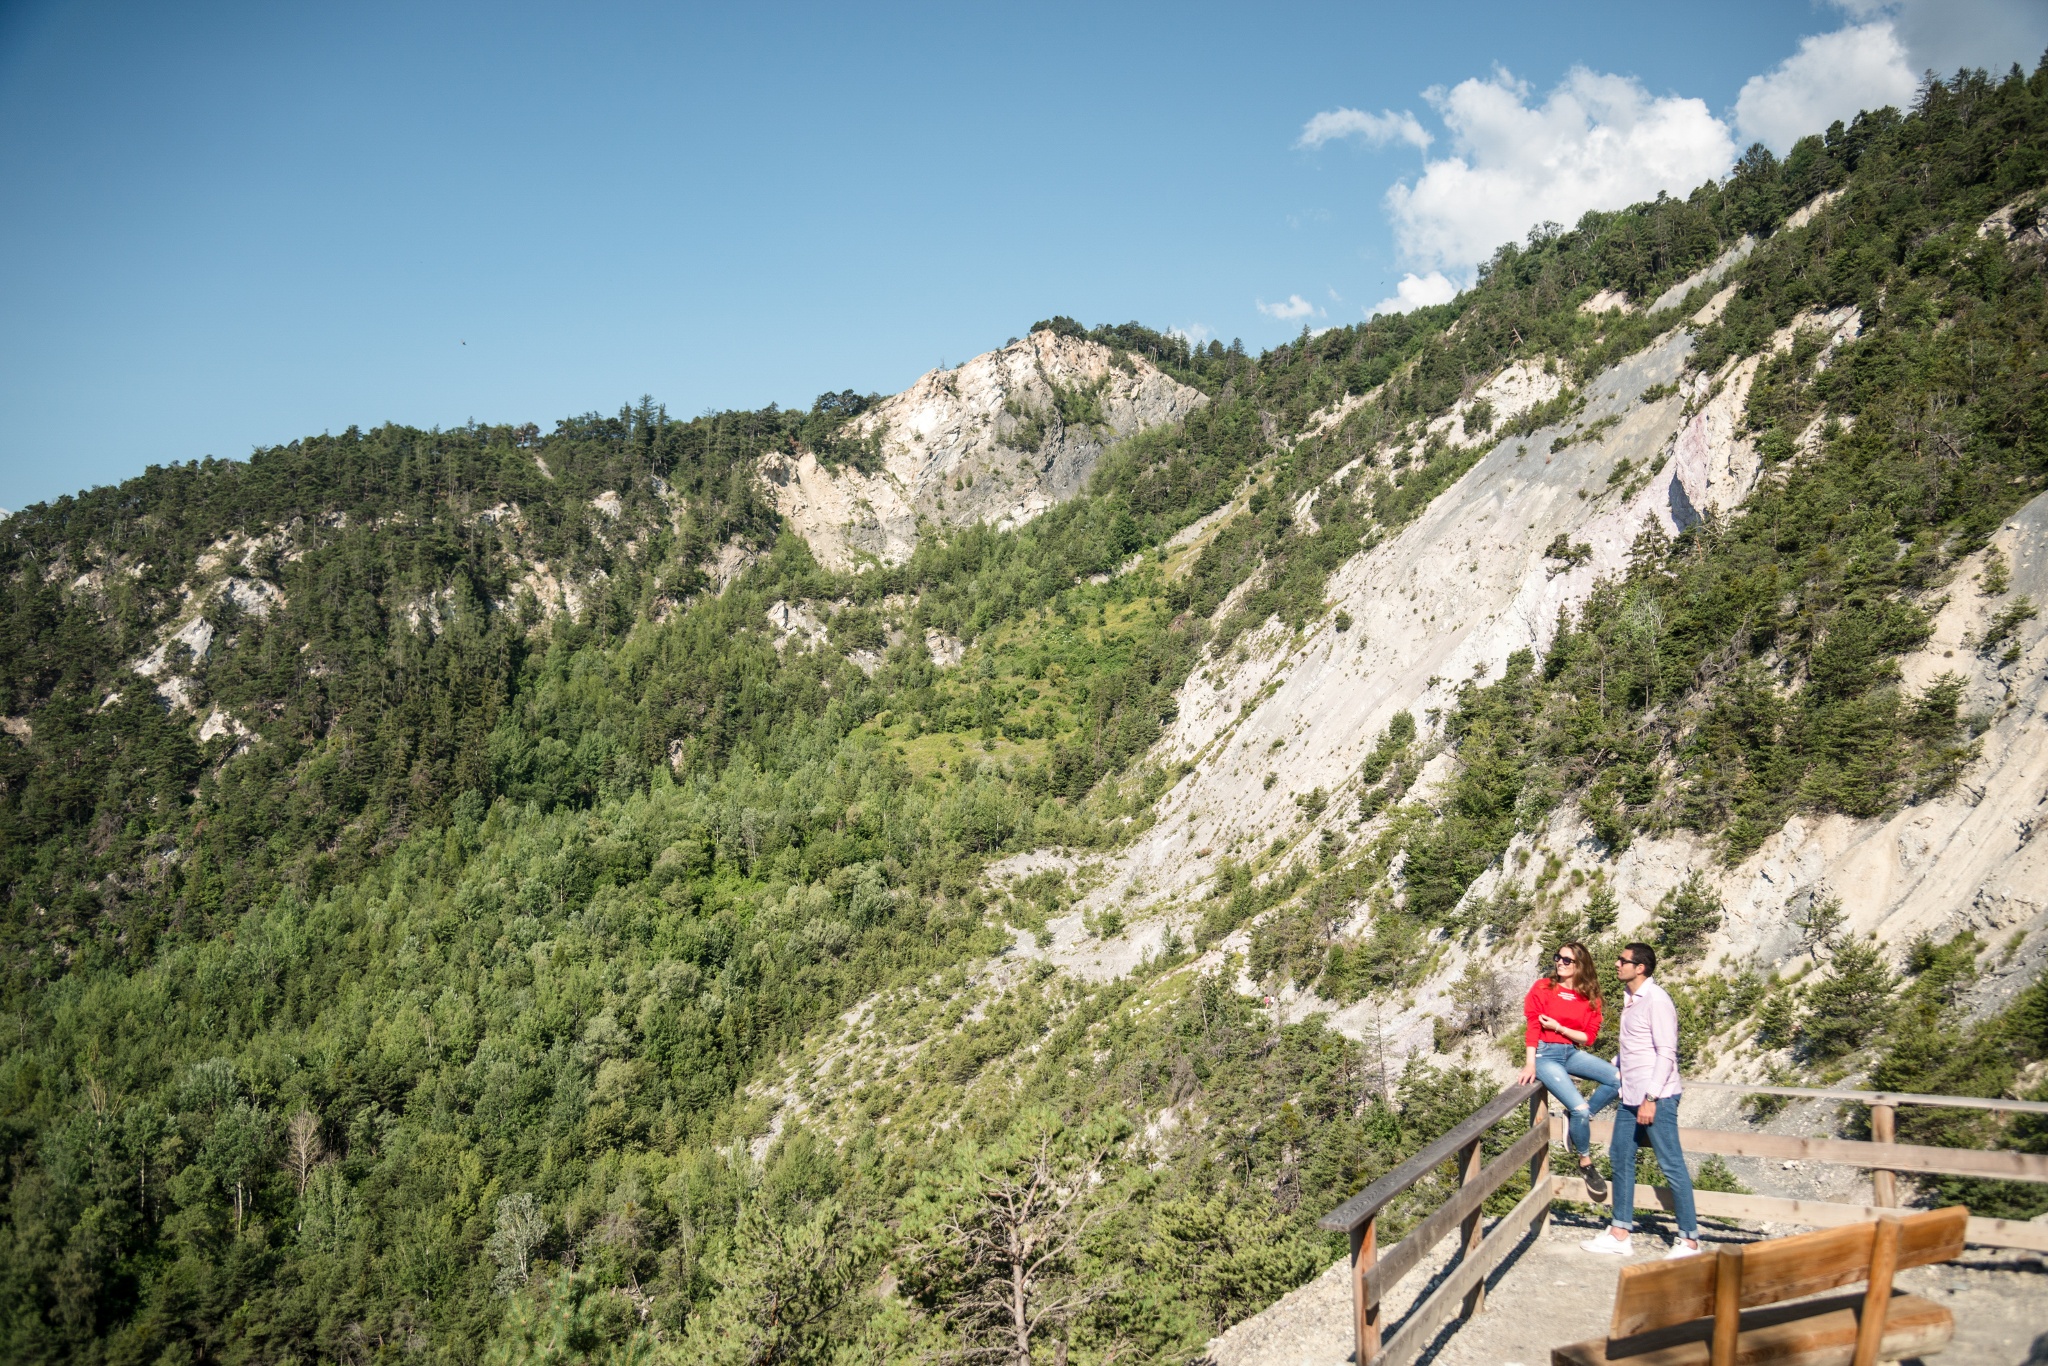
[(1648, 1057)]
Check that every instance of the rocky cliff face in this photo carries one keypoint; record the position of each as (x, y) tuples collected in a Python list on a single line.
[(1448, 599), (998, 440), (1468, 583), (1476, 577), (1967, 860)]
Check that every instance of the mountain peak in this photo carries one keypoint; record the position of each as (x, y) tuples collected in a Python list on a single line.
[(997, 439)]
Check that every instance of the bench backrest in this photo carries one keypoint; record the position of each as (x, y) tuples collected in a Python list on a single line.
[(1659, 1294)]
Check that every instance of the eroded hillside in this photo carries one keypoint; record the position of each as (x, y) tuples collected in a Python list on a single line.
[(996, 440)]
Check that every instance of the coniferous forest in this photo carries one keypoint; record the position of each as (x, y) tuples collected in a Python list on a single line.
[(422, 860)]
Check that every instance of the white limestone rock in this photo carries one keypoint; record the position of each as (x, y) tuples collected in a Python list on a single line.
[(985, 442)]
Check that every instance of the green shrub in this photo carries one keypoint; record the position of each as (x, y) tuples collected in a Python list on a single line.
[(2003, 626), (1849, 1004), (1563, 550), (1715, 1175), (1685, 916)]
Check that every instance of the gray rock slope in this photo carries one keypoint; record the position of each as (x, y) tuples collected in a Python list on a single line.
[(1447, 599), (1468, 583), (998, 440)]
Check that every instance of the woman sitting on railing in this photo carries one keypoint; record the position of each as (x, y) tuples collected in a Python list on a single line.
[(1564, 1012)]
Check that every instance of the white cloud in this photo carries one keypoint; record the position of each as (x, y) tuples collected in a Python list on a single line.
[(1596, 142), (1194, 334), (1378, 129), (1602, 141), (1879, 61), (1832, 76), (1416, 291), (1293, 307), (1942, 35)]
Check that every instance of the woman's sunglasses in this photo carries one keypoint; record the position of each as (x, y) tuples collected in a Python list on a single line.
[(1564, 958)]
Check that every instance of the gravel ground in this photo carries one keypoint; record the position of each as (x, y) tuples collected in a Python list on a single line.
[(1549, 1293)]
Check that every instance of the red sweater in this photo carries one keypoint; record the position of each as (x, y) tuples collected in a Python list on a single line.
[(1566, 1007)]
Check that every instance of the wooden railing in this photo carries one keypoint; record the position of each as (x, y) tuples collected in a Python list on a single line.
[(1882, 1156), (1463, 1290), (1884, 1115)]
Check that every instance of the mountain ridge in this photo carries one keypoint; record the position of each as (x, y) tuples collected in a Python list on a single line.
[(1014, 431)]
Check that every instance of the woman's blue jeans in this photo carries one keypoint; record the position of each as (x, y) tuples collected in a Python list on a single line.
[(1662, 1133), (1556, 1065)]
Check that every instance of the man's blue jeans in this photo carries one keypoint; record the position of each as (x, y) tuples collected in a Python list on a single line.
[(1556, 1065), (1663, 1136)]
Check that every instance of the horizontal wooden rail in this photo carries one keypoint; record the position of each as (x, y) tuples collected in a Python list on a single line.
[(1898, 1157), (1980, 1232), (1402, 1257), (1359, 1216), (1426, 1318), (1463, 1288), (1375, 1197), (2029, 1107)]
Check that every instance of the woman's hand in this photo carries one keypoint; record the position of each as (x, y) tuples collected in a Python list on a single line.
[(1550, 1023), (1526, 1075)]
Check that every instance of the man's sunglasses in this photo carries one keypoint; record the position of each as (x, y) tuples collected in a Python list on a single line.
[(1626, 961)]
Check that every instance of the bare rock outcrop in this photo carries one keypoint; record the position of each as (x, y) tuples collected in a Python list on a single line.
[(1970, 859), (998, 440), (1449, 597)]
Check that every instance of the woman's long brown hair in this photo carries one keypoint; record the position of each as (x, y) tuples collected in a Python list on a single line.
[(1584, 978)]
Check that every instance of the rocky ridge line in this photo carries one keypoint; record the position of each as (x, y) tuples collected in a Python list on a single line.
[(999, 440)]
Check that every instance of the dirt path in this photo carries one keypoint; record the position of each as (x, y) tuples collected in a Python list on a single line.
[(1552, 1293)]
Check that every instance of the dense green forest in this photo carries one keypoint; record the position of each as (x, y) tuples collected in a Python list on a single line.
[(419, 853)]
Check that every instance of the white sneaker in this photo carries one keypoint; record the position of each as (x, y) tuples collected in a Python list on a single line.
[(1679, 1249), (1607, 1245)]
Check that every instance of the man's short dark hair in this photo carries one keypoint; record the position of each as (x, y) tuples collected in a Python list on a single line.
[(1643, 954)]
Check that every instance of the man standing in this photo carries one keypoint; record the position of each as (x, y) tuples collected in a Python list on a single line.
[(1648, 1062)]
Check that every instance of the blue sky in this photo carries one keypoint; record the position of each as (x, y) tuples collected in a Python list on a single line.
[(228, 226)]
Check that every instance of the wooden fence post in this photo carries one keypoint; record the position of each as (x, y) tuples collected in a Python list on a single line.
[(1539, 1165), (1727, 1306), (1365, 1318), (1883, 1129), (1471, 1158)]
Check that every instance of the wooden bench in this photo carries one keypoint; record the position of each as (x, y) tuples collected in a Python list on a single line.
[(1731, 1307)]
